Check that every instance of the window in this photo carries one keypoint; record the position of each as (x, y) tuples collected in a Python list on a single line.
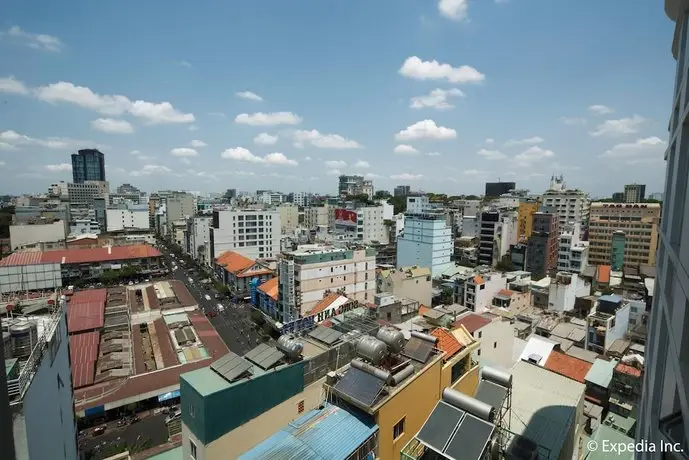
[(495, 345), (479, 352), (398, 429), (479, 334), (300, 407), (192, 449)]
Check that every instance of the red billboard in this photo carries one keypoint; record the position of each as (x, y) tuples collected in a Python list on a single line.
[(345, 216)]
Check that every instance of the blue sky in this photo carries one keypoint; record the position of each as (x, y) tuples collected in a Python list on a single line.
[(438, 94)]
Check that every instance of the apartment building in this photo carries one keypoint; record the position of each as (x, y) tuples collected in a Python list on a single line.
[(402, 190), (565, 288), (476, 291), (354, 185), (634, 193), (488, 227), (302, 199), (571, 205), (507, 234), (638, 221), (426, 242), (308, 274), (525, 217), (289, 217), (365, 224), (572, 253), (180, 205), (407, 283), (127, 217), (495, 189), (199, 237), (317, 216), (607, 322), (253, 233), (664, 411), (84, 193), (542, 247)]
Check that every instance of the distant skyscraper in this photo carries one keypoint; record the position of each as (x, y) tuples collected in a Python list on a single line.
[(402, 190), (88, 164), (634, 193), (496, 189)]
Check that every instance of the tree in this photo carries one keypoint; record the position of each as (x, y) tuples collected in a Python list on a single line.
[(382, 195), (399, 203), (505, 264)]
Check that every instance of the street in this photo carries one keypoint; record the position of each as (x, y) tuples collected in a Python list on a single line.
[(233, 324), (148, 432)]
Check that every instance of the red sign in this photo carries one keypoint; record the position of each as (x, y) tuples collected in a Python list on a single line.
[(346, 215)]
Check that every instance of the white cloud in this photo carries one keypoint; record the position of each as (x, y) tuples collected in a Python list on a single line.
[(572, 121), (616, 128), (197, 143), (151, 112), (249, 95), (185, 160), (324, 141), (648, 147), (457, 10), (434, 154), (184, 152), (217, 114), (532, 154), (335, 164), (425, 129), (2, 163), (372, 176), (436, 99), (474, 172), (13, 86), (406, 176), (268, 119), (62, 167), (149, 170), (242, 154), (307, 158), (15, 140), (41, 42), (489, 140), (112, 126), (528, 141), (561, 168), (599, 109), (265, 139), (491, 154), (417, 69), (362, 164), (135, 152), (145, 157), (404, 149), (333, 172)]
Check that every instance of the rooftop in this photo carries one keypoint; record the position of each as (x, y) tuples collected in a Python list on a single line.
[(332, 301), (612, 436), (447, 342), (472, 322), (233, 262), (270, 288), (560, 363), (601, 372), (627, 369), (537, 350), (603, 274), (81, 256)]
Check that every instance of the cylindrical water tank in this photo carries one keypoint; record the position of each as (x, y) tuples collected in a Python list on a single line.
[(426, 337), (496, 376), (469, 404), (290, 347), (392, 337), (371, 349), (7, 344), (24, 335), (379, 373), (402, 375)]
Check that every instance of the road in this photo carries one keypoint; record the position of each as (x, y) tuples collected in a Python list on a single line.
[(148, 432), (233, 324)]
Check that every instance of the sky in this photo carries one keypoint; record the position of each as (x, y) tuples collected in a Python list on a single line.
[(441, 95)]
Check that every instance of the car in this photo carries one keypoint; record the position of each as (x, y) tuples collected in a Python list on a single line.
[(99, 430), (207, 297), (212, 314), (221, 307), (174, 416)]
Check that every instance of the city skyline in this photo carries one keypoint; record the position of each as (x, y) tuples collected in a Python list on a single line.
[(425, 94)]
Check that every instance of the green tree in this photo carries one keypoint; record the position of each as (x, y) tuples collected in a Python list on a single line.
[(382, 195), (399, 203)]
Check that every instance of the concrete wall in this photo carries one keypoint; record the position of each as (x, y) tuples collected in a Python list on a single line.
[(119, 219), (496, 344), (419, 288), (23, 235)]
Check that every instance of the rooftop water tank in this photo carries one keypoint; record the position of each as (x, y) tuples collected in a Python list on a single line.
[(392, 337), (23, 336), (371, 349), (290, 347)]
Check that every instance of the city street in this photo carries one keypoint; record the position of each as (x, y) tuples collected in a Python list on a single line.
[(149, 431), (233, 324)]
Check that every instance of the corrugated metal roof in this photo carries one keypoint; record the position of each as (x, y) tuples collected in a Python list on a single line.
[(81, 255), (321, 434), (84, 316), (472, 322), (601, 372), (84, 347), (83, 374), (603, 275)]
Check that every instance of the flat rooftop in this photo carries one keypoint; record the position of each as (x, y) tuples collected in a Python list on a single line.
[(81, 256)]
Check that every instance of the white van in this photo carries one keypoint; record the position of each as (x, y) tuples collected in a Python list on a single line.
[(207, 297), (220, 307)]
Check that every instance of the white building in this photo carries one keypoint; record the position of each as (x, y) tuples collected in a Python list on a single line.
[(289, 217), (426, 242), (564, 290), (271, 198), (571, 205), (388, 209), (470, 207), (179, 205), (476, 292), (371, 225), (59, 190), (302, 199), (418, 204), (573, 254), (83, 227), (496, 338), (664, 410), (132, 216), (252, 233), (507, 232), (199, 231), (317, 216), (30, 234), (470, 226), (309, 273)]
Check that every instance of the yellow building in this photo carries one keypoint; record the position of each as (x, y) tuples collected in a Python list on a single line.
[(525, 217), (639, 224)]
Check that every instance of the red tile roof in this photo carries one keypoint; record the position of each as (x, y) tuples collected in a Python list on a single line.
[(270, 288), (86, 310), (575, 369), (423, 309), (82, 255), (152, 298), (447, 342), (89, 295), (234, 262), (627, 369), (472, 322), (505, 292), (478, 279), (603, 275), (325, 303), (83, 351)]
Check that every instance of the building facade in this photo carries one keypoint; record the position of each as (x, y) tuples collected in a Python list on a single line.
[(634, 193), (525, 217), (638, 221), (125, 217), (488, 229), (402, 190), (571, 205), (572, 253), (24, 235), (252, 233), (426, 242), (407, 283), (88, 164), (354, 185), (542, 247), (199, 235), (289, 217), (316, 216), (495, 189), (664, 408)]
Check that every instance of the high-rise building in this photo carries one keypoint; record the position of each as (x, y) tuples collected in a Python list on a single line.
[(570, 205), (488, 228), (426, 242), (573, 253), (634, 193), (88, 164), (402, 190), (542, 247), (638, 221), (354, 185), (252, 233), (525, 217), (495, 189), (664, 411)]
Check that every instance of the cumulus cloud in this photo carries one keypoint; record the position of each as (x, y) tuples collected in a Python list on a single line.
[(148, 170), (362, 164), (572, 121), (265, 139), (617, 128), (62, 167), (406, 176), (436, 99), (40, 42), (489, 140), (599, 109), (249, 95), (425, 129), (528, 141), (532, 154), (648, 147), (474, 172), (12, 86), (434, 154), (197, 143), (245, 155), (491, 154), (457, 10), (404, 149), (112, 126), (324, 141), (333, 172), (372, 176), (335, 164), (14, 139), (268, 119), (184, 152), (414, 67)]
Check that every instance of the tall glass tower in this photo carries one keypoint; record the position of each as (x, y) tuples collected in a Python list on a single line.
[(88, 164)]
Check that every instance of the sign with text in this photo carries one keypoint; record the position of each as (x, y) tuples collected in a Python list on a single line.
[(308, 322)]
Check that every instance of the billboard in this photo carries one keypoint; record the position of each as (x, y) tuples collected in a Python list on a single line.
[(345, 216)]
